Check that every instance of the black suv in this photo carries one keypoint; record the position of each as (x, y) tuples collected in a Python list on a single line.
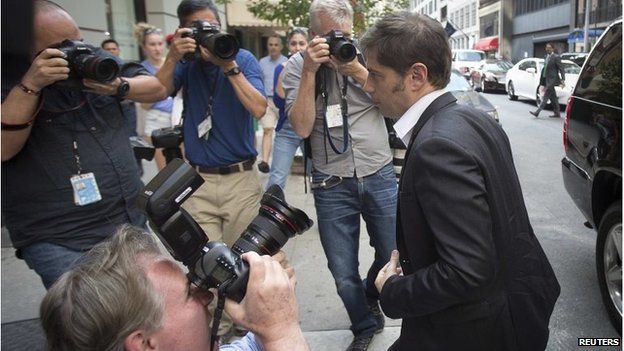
[(592, 166)]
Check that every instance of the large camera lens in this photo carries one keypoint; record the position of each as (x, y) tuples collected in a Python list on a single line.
[(224, 46), (344, 51), (274, 225), (101, 69)]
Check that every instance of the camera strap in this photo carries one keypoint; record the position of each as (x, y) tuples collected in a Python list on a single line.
[(343, 110), (216, 319), (203, 129)]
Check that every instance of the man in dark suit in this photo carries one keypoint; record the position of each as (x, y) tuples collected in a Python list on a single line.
[(472, 274), (550, 78)]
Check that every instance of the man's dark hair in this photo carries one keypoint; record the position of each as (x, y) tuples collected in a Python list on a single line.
[(189, 7), (401, 39), (109, 40)]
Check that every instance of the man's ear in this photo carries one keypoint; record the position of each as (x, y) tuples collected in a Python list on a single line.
[(417, 76), (138, 340)]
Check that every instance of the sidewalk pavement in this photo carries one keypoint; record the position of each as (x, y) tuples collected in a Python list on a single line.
[(324, 320)]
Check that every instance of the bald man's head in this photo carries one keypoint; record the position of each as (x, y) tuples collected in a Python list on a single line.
[(52, 25)]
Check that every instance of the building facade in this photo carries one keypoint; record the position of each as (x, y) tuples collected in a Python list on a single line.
[(537, 22), (462, 14), (601, 14), (102, 19)]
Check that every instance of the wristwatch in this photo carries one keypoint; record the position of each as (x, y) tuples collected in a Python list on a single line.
[(123, 88), (234, 71)]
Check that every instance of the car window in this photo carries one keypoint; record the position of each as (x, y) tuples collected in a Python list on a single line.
[(532, 64), (470, 56), (601, 79), (458, 83), (497, 66), (571, 68), (524, 65)]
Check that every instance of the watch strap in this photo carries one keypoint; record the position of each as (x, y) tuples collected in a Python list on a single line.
[(234, 71)]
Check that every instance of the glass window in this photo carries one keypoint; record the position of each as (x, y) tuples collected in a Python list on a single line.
[(524, 65), (470, 56), (601, 79)]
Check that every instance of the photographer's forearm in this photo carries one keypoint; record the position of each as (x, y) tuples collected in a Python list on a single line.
[(146, 89), (303, 112), (251, 98), (18, 108), (293, 341), (165, 74)]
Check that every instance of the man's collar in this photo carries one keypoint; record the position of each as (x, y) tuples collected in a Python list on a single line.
[(404, 126)]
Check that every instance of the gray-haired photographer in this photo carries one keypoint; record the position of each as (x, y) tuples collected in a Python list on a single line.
[(69, 174), (352, 175)]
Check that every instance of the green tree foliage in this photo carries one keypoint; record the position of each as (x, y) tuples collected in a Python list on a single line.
[(295, 13)]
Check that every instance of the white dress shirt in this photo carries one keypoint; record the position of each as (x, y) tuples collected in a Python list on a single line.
[(404, 126)]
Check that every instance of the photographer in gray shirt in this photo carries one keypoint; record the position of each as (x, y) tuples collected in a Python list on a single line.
[(352, 171)]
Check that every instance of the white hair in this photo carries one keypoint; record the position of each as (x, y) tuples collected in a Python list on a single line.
[(339, 11)]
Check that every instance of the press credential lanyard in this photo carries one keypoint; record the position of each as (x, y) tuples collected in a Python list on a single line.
[(203, 129), (85, 186), (332, 114)]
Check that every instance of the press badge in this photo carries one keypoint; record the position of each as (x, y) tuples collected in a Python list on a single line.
[(333, 116), (204, 127), (86, 190)]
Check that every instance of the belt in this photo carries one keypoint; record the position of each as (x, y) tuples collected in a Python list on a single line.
[(246, 165)]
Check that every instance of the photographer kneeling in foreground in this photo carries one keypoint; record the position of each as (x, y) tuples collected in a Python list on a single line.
[(127, 295)]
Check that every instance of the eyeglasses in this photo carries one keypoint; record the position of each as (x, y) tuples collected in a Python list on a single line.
[(149, 31)]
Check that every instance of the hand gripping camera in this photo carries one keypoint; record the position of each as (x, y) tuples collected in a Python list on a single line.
[(85, 63), (213, 264), (224, 46), (340, 46)]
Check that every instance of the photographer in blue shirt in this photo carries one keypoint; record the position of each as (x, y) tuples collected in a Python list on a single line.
[(221, 96)]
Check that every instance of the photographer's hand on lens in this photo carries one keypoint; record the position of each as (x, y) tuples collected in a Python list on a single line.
[(316, 54), (181, 45), (280, 257), (352, 69), (226, 65), (269, 308), (47, 68)]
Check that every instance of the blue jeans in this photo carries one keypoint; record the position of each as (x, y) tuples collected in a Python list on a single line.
[(374, 197), (284, 147), (49, 260)]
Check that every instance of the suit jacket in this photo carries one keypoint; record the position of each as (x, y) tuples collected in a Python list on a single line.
[(553, 72), (475, 276)]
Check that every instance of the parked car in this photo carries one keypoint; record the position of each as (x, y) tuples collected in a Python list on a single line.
[(490, 75), (576, 57), (465, 95), (523, 80), (467, 60), (592, 166)]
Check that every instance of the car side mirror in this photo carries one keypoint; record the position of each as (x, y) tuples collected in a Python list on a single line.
[(531, 70)]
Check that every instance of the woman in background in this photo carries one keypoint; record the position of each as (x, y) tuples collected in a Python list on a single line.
[(286, 140), (158, 114)]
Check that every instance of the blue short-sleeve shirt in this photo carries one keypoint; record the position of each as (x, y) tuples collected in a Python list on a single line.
[(231, 139)]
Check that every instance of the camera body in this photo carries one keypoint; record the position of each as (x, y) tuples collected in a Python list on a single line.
[(142, 149), (85, 62), (169, 139), (223, 45), (213, 264), (340, 46)]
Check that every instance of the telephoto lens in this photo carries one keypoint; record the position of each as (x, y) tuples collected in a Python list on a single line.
[(340, 46), (101, 69), (275, 224)]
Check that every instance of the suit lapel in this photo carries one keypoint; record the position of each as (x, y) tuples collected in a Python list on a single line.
[(437, 104)]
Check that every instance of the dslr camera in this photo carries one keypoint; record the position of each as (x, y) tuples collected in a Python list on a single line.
[(224, 46), (169, 139), (213, 264), (85, 62), (340, 46)]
